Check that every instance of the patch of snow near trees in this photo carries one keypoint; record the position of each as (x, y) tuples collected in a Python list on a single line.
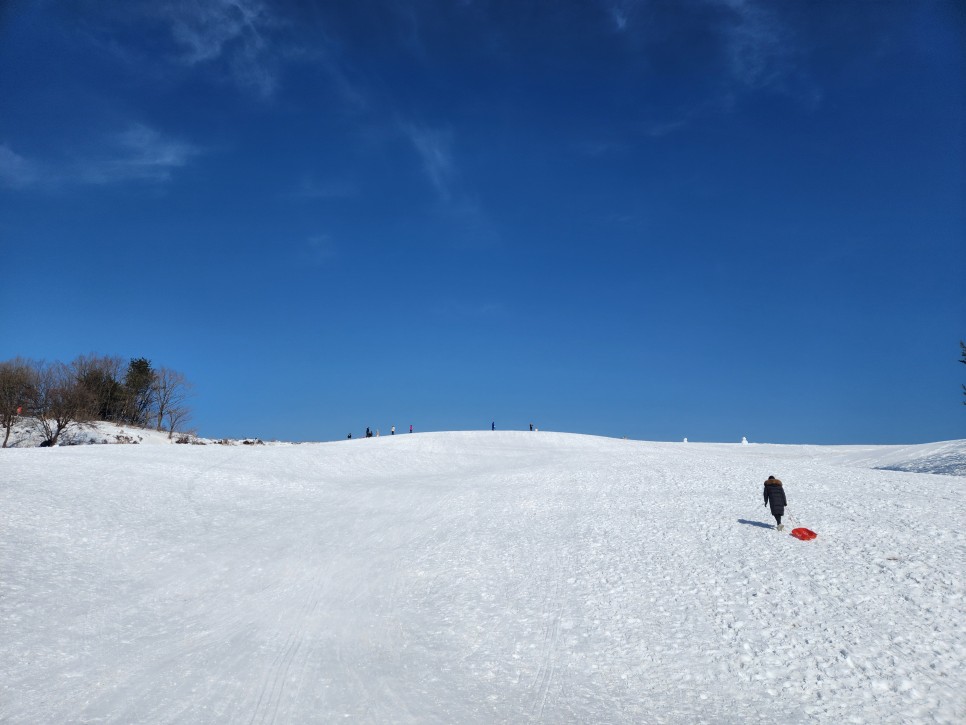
[(480, 577), (28, 432)]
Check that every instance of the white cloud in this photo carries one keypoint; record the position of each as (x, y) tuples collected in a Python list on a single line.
[(233, 31), (619, 16), (138, 153), (471, 225), (16, 171), (250, 41), (457, 208), (320, 248), (434, 148), (757, 45), (310, 188), (753, 48), (204, 29)]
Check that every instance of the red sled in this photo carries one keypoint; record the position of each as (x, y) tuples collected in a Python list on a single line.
[(804, 534)]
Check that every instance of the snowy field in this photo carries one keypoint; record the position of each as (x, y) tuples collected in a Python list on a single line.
[(481, 578)]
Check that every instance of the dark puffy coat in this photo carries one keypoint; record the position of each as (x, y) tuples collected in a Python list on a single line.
[(775, 496)]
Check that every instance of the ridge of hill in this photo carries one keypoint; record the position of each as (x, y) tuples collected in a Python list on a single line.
[(943, 457)]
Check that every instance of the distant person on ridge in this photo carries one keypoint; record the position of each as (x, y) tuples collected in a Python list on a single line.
[(775, 495), (493, 425)]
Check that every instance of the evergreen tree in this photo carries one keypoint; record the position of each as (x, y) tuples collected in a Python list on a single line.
[(138, 385)]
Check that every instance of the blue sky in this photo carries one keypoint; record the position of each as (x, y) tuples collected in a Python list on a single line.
[(707, 218)]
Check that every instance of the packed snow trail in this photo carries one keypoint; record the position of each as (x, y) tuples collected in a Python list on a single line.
[(476, 577)]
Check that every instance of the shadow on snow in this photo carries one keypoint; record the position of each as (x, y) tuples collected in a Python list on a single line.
[(759, 524)]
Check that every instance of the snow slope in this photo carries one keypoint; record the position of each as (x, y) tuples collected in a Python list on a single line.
[(477, 577), (947, 457), (28, 433)]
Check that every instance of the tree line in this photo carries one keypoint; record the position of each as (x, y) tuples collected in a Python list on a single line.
[(92, 387)]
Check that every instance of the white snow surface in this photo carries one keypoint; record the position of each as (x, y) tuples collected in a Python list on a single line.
[(479, 578), (28, 433)]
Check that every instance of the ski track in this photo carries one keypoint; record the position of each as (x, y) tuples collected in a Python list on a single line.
[(477, 578)]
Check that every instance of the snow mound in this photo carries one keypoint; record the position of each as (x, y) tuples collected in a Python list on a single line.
[(27, 433), (947, 458), (476, 577)]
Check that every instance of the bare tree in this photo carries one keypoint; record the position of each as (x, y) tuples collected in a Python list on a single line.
[(170, 391), (58, 401), (16, 381), (100, 376), (176, 418)]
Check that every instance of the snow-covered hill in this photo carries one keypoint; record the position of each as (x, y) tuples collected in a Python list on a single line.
[(479, 577), (28, 433), (947, 457)]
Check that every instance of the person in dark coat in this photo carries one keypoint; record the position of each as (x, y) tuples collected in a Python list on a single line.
[(775, 497)]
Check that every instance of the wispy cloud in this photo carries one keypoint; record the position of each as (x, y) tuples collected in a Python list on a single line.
[(138, 153), (311, 188), (747, 46), (16, 171), (434, 147), (472, 226), (620, 13), (458, 208), (250, 43), (619, 18), (452, 309), (758, 49), (238, 42), (205, 29), (231, 31), (319, 249)]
